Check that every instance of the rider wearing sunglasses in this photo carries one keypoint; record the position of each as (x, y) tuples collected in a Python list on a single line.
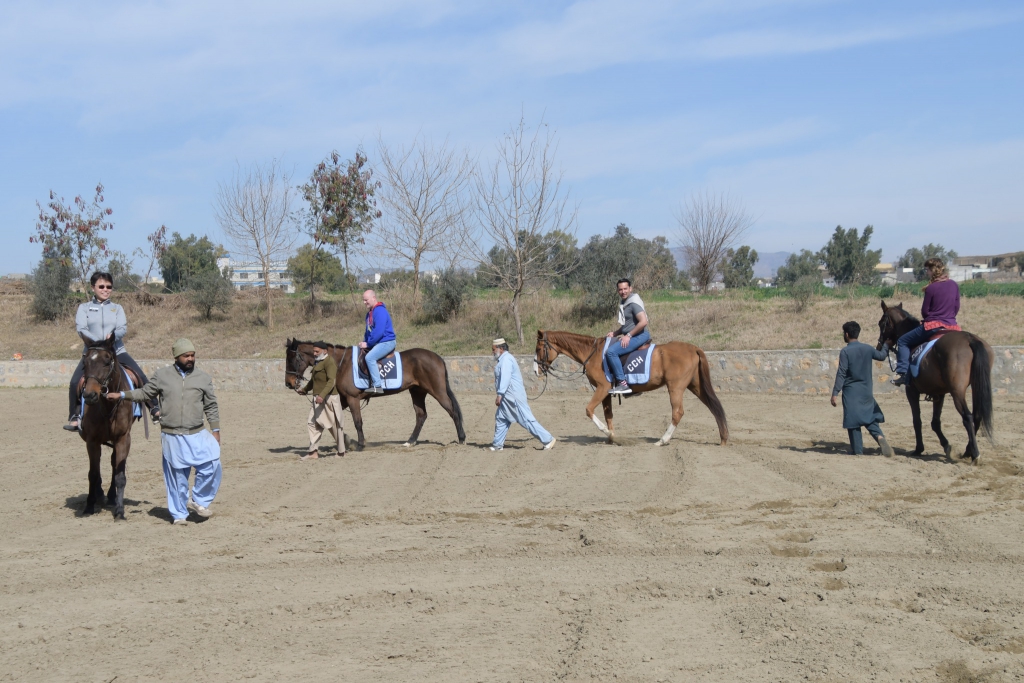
[(98, 319)]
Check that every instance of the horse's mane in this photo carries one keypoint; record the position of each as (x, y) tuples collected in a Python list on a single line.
[(906, 316), (578, 343), (293, 344)]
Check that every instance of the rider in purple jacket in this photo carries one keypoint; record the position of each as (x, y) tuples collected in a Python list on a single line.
[(941, 304)]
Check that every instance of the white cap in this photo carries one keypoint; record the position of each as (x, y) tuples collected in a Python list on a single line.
[(499, 341)]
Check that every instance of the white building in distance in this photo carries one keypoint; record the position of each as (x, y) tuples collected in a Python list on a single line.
[(245, 274)]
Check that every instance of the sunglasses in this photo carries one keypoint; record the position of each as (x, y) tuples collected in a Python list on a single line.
[(104, 286)]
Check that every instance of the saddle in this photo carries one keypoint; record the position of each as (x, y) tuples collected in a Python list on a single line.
[(362, 361)]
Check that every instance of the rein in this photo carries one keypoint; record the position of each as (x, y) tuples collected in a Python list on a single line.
[(548, 367)]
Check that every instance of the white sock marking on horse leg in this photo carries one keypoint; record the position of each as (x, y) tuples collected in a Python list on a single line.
[(667, 436), (600, 425)]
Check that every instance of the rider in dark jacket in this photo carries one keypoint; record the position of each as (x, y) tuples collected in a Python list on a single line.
[(938, 311)]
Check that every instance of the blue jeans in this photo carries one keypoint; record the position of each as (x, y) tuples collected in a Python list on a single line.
[(615, 350), (906, 344), (373, 355)]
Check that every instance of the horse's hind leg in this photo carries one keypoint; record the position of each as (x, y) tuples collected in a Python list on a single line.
[(419, 404), (357, 421), (937, 423), (95, 478), (960, 402), (675, 395)]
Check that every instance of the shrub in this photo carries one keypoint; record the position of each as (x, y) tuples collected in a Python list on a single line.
[(50, 285), (445, 297), (209, 290), (803, 289)]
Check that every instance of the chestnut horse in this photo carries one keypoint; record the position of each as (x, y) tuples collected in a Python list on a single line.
[(423, 372), (957, 361), (678, 365), (105, 423)]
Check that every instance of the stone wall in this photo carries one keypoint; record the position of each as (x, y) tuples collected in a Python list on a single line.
[(803, 371)]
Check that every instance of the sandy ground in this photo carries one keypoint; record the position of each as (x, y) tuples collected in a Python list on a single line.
[(779, 558)]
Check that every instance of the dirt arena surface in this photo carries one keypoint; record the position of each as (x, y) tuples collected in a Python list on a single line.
[(779, 558)]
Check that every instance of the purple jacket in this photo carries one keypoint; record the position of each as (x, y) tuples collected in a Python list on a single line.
[(941, 302)]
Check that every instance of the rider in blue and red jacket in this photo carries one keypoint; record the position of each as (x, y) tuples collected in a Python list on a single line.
[(379, 338), (938, 311)]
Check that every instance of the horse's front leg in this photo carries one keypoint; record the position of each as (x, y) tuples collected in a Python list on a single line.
[(937, 423), (598, 397), (914, 397), (95, 478), (119, 464), (357, 421), (606, 403)]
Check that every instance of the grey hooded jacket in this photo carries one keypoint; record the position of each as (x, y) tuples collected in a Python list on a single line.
[(96, 321)]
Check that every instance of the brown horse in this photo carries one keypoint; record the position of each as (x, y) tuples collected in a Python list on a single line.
[(423, 373), (105, 423), (678, 365), (957, 361)]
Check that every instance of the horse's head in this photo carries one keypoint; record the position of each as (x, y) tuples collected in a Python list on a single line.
[(100, 364), (298, 357), (544, 355), (892, 316)]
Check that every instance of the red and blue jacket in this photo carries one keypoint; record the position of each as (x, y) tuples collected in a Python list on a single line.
[(378, 326)]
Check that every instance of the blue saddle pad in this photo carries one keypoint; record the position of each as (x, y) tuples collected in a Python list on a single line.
[(136, 407), (918, 355), (636, 364), (390, 370)]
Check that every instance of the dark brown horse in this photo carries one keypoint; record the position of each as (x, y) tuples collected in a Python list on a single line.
[(957, 361), (105, 423), (423, 373), (678, 365)]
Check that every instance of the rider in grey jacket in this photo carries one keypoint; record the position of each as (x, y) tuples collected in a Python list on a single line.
[(95, 320)]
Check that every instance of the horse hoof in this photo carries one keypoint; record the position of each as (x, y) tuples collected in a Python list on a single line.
[(948, 449), (918, 452)]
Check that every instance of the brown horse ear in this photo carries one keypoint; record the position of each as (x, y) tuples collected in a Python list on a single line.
[(900, 305), (109, 341), (540, 335), (884, 307)]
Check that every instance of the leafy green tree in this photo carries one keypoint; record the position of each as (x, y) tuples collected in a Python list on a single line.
[(797, 266), (603, 260), (327, 272), (445, 296), (848, 259), (186, 257), (209, 290), (50, 284), (73, 235), (738, 267), (342, 207), (915, 258)]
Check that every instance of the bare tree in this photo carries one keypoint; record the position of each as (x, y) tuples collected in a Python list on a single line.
[(254, 211), (519, 203), (424, 204), (708, 225)]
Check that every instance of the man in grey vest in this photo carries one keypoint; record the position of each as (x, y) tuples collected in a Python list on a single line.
[(632, 333), (853, 380)]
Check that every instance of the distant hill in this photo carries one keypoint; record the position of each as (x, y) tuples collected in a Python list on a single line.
[(767, 263)]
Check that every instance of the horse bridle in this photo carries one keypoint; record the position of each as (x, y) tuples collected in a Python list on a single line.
[(106, 380), (889, 328)]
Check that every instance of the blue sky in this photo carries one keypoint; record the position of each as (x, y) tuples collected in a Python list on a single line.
[(812, 113)]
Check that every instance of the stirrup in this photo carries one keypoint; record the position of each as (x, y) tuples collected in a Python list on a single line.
[(899, 380), (75, 428)]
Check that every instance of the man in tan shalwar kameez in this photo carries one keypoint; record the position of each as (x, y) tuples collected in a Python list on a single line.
[(325, 412)]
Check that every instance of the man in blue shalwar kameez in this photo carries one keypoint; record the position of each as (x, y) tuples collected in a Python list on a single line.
[(186, 396), (511, 399)]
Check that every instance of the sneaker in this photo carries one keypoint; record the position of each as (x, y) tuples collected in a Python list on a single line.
[(621, 388), (550, 444), (899, 380), (377, 390), (198, 509), (495, 448), (179, 522)]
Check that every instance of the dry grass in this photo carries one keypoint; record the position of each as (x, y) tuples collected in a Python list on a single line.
[(734, 321)]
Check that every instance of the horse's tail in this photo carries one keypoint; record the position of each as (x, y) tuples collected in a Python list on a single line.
[(456, 408), (710, 399), (981, 386)]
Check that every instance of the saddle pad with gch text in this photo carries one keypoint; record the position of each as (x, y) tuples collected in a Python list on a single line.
[(918, 355), (636, 364), (390, 370)]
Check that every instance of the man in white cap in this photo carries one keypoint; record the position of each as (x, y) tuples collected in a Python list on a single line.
[(325, 410), (186, 395), (511, 399)]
